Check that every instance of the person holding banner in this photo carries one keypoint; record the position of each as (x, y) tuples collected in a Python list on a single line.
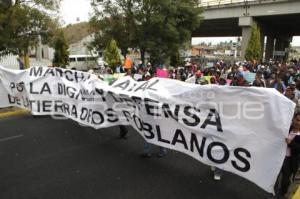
[(21, 64), (291, 162)]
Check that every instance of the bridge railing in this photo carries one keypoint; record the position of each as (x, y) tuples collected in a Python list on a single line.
[(212, 3)]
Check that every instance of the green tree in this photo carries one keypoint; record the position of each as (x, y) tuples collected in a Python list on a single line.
[(21, 22), (111, 54), (175, 59), (153, 26), (61, 54), (113, 20), (253, 50)]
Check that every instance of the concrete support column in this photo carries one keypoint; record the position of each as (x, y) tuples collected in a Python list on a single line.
[(245, 23), (269, 48), (287, 46), (279, 44), (282, 44)]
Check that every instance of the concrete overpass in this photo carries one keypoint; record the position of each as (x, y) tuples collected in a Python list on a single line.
[(279, 21)]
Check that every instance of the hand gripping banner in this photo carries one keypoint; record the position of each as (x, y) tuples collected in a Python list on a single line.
[(237, 129)]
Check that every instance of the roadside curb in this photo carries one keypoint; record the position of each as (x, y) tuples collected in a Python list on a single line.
[(13, 113)]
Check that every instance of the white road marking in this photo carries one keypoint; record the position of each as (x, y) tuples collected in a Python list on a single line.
[(10, 138)]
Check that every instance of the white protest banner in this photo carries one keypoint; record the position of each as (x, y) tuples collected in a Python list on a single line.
[(191, 80), (241, 130)]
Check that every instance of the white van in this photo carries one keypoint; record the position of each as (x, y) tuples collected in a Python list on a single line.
[(82, 62)]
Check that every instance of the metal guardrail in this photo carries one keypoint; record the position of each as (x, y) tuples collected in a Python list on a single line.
[(210, 3)]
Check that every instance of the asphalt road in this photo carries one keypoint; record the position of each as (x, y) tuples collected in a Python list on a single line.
[(57, 159)]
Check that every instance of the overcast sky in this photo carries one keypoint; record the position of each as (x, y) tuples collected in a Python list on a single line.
[(73, 10)]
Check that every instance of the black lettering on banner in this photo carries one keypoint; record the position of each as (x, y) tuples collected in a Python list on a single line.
[(132, 87), (166, 110), (11, 99), (112, 115), (145, 86), (138, 101), (84, 113), (74, 111), (49, 71), (79, 78), (138, 122), (150, 87), (58, 105), (80, 94), (224, 148), (66, 108), (159, 138), (188, 113), (148, 128), (89, 116), (68, 75), (194, 142), (66, 90), (87, 77), (31, 91), (115, 97), (16, 100), (38, 102), (59, 72), (97, 117), (36, 71), (45, 88), (25, 102), (152, 107), (12, 85), (142, 87), (237, 153), (216, 123), (47, 106), (179, 134), (70, 91), (101, 93), (129, 102), (60, 89), (127, 115), (122, 85), (18, 86)]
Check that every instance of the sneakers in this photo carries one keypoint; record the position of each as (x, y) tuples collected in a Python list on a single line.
[(217, 177), (217, 173)]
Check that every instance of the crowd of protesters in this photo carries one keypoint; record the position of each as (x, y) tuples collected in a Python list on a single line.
[(284, 77)]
